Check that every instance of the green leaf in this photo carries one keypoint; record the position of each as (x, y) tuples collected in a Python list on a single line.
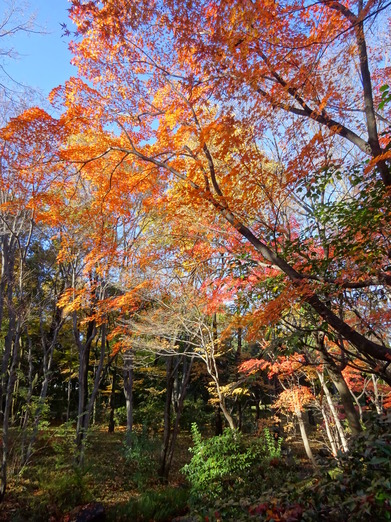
[(379, 460)]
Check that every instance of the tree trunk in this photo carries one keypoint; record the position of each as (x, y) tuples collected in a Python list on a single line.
[(112, 402), (218, 422), (86, 418), (334, 412), (304, 437), (227, 415), (167, 415), (84, 357), (69, 391), (47, 361), (329, 432), (336, 376), (351, 413), (376, 398), (182, 391), (6, 417), (128, 392), (5, 363)]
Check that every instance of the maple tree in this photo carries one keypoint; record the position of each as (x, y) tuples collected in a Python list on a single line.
[(190, 110), (178, 324), (294, 396)]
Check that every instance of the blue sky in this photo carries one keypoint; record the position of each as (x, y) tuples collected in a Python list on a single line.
[(44, 59)]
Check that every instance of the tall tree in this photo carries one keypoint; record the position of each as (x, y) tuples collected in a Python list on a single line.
[(192, 110)]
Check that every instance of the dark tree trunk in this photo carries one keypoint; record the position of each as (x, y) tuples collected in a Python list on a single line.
[(86, 417), (167, 415), (128, 392), (180, 399), (6, 415), (218, 422), (84, 357), (112, 401)]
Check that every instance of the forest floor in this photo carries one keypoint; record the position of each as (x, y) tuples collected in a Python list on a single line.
[(50, 487), (124, 482)]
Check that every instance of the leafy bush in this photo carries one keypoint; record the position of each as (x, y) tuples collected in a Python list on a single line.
[(141, 453), (272, 446), (221, 465), (196, 409), (148, 410), (159, 506), (63, 444), (357, 488), (360, 487), (120, 416), (60, 491)]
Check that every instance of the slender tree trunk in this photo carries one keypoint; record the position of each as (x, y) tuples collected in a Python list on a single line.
[(359, 407), (84, 357), (5, 363), (227, 415), (47, 359), (93, 420), (376, 398), (26, 417), (128, 392), (182, 391), (211, 365), (86, 418), (334, 412), (69, 391), (167, 415), (304, 437), (6, 417), (336, 376), (237, 358), (112, 402), (329, 432), (15, 395)]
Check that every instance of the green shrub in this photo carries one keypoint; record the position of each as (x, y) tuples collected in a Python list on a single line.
[(356, 488), (196, 409), (272, 446), (359, 488), (220, 465), (120, 416), (61, 491), (63, 444), (159, 506), (141, 452)]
